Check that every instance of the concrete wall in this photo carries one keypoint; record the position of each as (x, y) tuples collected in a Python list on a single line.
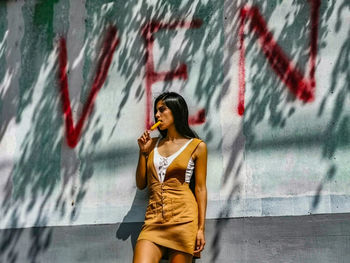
[(266, 84)]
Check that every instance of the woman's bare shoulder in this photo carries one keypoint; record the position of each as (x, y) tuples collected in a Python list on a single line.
[(202, 147), (200, 150)]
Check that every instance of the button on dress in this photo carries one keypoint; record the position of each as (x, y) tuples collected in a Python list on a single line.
[(171, 218)]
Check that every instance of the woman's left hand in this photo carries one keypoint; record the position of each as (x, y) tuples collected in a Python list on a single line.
[(200, 242)]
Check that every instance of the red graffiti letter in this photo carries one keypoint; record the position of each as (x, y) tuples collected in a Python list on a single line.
[(152, 76), (302, 86), (109, 46)]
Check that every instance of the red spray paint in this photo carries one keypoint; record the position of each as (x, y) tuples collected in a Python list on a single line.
[(153, 76), (302, 86), (109, 45), (198, 118)]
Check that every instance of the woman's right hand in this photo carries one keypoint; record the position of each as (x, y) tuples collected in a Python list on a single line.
[(145, 142)]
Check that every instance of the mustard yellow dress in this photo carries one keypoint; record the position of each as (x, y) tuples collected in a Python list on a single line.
[(171, 218)]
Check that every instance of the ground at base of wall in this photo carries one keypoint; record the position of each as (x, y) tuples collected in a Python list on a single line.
[(313, 238)]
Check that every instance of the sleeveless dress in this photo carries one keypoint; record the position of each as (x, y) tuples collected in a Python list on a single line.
[(171, 218)]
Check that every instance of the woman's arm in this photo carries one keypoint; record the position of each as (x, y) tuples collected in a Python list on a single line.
[(146, 144), (200, 187), (141, 171), (201, 192)]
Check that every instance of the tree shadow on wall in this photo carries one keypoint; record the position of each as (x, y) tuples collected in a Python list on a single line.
[(41, 182), (233, 167), (336, 134), (44, 179), (270, 101), (132, 64), (128, 228), (7, 96), (131, 52), (36, 172)]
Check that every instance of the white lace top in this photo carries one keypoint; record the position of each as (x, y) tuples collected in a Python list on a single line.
[(161, 163)]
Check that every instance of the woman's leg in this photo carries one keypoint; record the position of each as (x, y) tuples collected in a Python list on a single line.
[(179, 257), (147, 252)]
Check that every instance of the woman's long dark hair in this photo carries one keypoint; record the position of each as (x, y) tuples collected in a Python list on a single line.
[(177, 104)]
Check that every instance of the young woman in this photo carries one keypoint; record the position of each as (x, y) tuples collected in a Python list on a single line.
[(175, 217)]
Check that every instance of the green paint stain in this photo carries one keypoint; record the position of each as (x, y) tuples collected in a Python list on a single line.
[(43, 17)]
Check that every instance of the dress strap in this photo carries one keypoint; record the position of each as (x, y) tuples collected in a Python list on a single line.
[(194, 144)]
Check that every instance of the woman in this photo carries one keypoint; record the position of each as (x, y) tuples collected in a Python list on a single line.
[(175, 218)]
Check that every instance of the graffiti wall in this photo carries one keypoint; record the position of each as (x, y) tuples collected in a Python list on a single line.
[(267, 85)]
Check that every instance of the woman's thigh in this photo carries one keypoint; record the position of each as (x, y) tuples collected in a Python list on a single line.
[(147, 252), (179, 257)]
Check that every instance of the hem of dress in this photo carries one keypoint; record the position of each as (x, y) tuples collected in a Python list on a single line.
[(167, 246)]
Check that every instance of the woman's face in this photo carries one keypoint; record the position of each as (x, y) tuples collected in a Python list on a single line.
[(164, 115)]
